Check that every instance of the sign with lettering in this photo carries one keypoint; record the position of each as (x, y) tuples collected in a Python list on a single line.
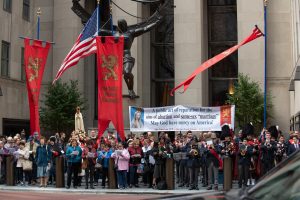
[(181, 118)]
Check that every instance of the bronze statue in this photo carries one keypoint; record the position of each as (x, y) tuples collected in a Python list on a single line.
[(131, 32)]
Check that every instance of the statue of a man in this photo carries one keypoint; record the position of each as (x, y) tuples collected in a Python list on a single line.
[(131, 32)]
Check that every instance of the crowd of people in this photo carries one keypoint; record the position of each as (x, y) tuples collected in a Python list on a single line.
[(141, 159)]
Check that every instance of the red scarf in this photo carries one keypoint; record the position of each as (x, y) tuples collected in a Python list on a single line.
[(214, 153)]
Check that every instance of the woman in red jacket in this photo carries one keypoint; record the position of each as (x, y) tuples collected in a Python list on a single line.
[(135, 153)]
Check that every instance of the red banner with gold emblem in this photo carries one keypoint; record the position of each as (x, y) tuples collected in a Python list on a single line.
[(35, 57), (110, 69), (225, 115)]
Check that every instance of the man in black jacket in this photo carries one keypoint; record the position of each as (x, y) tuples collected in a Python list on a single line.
[(244, 162), (293, 145), (193, 164), (268, 151), (213, 161)]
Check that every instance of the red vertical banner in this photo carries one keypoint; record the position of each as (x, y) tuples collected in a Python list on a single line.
[(110, 70), (225, 115), (35, 57)]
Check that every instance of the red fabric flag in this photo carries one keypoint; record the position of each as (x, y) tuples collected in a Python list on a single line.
[(35, 58), (256, 33), (110, 69), (225, 115)]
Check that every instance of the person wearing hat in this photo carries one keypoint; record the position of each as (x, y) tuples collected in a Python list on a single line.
[(31, 145)]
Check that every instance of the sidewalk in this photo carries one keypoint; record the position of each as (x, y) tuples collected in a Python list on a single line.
[(100, 191)]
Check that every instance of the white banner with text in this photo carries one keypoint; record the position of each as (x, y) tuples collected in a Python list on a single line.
[(181, 118)]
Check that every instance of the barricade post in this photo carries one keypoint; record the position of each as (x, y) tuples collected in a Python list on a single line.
[(10, 175), (60, 175), (170, 179), (227, 173), (112, 184)]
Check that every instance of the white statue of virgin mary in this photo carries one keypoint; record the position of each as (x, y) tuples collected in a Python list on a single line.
[(79, 126)]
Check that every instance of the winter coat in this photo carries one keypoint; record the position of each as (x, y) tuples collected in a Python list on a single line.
[(43, 156), (122, 160), (74, 158), (22, 155)]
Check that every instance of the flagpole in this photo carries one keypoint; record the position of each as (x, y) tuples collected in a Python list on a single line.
[(265, 67), (39, 12), (98, 17), (111, 18)]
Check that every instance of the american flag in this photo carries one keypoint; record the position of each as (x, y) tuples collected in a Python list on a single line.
[(85, 45)]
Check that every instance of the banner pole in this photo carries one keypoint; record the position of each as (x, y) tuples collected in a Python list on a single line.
[(111, 18), (98, 18), (39, 12), (265, 66)]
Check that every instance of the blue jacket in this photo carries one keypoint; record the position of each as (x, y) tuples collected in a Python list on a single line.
[(104, 161), (43, 155), (74, 158)]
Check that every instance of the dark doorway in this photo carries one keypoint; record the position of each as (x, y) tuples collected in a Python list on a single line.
[(13, 126)]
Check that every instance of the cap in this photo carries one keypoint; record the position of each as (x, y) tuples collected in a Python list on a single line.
[(274, 131), (225, 132), (248, 130)]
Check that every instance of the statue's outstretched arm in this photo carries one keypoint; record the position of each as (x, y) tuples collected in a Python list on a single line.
[(80, 11), (141, 30), (151, 22)]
